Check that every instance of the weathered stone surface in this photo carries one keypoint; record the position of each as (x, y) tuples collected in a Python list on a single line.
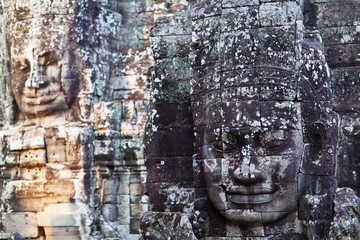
[(262, 118), (239, 90), (156, 225), (73, 111), (16, 236), (23, 222), (61, 231), (346, 220), (56, 220), (316, 197)]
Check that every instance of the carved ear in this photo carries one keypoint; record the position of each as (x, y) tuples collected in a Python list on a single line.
[(317, 133)]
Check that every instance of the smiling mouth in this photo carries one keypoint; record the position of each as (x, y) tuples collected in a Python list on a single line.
[(40, 100), (244, 195)]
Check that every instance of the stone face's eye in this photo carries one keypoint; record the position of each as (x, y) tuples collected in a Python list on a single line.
[(275, 144), (48, 58), (214, 139), (275, 141), (51, 62), (234, 141), (22, 65), (230, 142)]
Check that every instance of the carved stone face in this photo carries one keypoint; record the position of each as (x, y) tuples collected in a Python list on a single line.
[(44, 75), (252, 157)]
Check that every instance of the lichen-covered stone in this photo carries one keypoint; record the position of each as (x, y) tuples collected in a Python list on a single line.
[(346, 220), (259, 70), (156, 225)]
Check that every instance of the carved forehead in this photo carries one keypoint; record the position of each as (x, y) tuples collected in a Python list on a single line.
[(39, 34), (24, 41), (234, 113)]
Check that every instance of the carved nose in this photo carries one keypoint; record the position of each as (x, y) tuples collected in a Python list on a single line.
[(249, 174), (37, 79)]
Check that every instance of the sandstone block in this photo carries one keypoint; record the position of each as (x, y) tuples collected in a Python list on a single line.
[(136, 189), (106, 115), (56, 152), (135, 226), (239, 18), (123, 200), (123, 214), (22, 222), (236, 3), (34, 139), (61, 231), (33, 158), (31, 173), (61, 208), (110, 212), (15, 142), (136, 210), (27, 205), (207, 8), (57, 220), (63, 237)]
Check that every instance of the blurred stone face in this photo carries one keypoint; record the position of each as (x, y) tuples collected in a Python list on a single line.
[(44, 74), (252, 157)]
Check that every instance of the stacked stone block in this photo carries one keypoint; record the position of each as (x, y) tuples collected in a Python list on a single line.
[(265, 55), (96, 156), (168, 138), (95, 160), (338, 23)]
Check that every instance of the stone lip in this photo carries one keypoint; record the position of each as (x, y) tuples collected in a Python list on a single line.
[(253, 190), (252, 199), (258, 194), (40, 100)]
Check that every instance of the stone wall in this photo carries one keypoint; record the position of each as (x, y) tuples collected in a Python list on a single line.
[(143, 71), (75, 172), (236, 54)]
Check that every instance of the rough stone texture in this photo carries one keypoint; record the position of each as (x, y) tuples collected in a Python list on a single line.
[(246, 137), (74, 103), (341, 32), (260, 71), (346, 222), (16, 236), (160, 225)]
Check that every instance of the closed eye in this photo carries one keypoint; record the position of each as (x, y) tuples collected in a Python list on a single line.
[(234, 142), (22, 66), (275, 144), (51, 63)]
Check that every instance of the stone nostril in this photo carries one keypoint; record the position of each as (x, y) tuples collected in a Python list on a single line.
[(240, 175), (37, 82), (248, 174), (257, 176)]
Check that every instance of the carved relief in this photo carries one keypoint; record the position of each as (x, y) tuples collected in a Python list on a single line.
[(250, 164), (265, 135), (62, 163)]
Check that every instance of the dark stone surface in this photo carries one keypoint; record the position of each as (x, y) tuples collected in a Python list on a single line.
[(263, 82)]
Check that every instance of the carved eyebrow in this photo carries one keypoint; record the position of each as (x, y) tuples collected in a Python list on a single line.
[(21, 63), (50, 56), (240, 131), (44, 53)]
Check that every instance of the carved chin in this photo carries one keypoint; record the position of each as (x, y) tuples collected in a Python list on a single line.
[(248, 217)]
